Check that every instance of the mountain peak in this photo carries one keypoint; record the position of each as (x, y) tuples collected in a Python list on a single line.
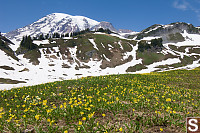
[(105, 25), (164, 30), (53, 17), (55, 22), (59, 15)]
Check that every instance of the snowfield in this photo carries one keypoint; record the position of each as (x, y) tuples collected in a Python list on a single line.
[(51, 64), (50, 69)]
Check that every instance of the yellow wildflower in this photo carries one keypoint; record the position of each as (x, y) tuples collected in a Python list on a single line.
[(81, 113), (84, 118), (48, 120), (80, 123), (8, 120), (37, 117), (168, 100), (117, 99), (54, 106), (44, 102), (26, 110)]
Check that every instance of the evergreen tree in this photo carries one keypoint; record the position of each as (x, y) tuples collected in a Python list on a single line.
[(27, 43), (41, 37), (87, 30), (47, 36), (157, 42), (100, 30), (56, 35), (67, 35), (143, 45), (35, 38), (1, 42)]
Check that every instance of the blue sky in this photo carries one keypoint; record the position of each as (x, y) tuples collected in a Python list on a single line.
[(123, 14)]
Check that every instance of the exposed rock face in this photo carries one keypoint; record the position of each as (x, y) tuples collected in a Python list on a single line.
[(165, 31), (104, 25)]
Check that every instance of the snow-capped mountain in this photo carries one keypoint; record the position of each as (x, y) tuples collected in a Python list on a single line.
[(165, 31), (58, 22), (157, 48)]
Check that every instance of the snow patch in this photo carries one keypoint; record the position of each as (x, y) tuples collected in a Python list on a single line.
[(93, 43), (152, 67), (121, 47), (106, 58), (101, 33), (153, 29), (126, 34), (102, 45), (150, 38), (119, 36), (191, 40), (41, 42)]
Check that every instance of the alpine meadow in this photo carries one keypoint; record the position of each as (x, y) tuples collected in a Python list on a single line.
[(73, 74)]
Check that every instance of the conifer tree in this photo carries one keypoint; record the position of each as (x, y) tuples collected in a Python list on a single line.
[(27, 43), (157, 42), (67, 35), (41, 37), (47, 36)]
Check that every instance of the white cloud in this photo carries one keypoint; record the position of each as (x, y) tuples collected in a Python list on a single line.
[(187, 5), (181, 4)]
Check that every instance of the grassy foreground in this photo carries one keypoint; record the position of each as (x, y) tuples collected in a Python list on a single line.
[(155, 102)]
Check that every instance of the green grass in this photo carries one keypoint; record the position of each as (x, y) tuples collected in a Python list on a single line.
[(33, 56), (115, 103), (195, 50), (84, 46), (177, 37), (186, 60), (149, 57), (180, 49), (135, 68), (192, 49)]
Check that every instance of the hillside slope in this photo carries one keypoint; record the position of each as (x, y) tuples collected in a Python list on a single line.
[(94, 54), (149, 103), (90, 51), (169, 33)]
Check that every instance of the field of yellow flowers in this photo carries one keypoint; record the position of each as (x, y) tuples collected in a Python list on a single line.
[(155, 102)]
